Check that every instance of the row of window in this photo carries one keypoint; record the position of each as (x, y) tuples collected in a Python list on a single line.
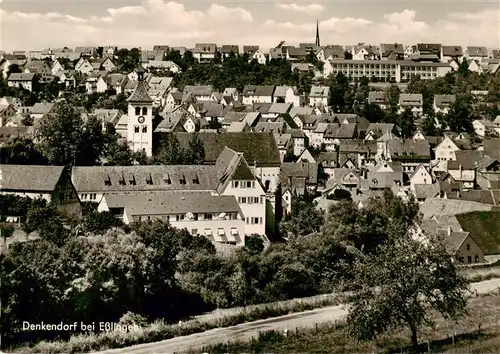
[(469, 259), (253, 221), (137, 128), (149, 181), (138, 111), (251, 200), (192, 217), (91, 196), (243, 184)]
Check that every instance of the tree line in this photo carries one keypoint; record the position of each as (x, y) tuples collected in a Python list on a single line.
[(102, 269)]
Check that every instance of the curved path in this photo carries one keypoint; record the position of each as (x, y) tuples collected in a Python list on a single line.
[(246, 331)]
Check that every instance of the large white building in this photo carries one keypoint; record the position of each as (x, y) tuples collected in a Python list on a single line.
[(386, 70), (140, 118), (230, 176)]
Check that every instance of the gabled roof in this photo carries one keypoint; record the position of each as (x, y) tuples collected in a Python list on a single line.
[(229, 48), (409, 148), (484, 227), (290, 170), (477, 51), (319, 91), (205, 48), (410, 99), (258, 90), (30, 178), (387, 49), (444, 100)]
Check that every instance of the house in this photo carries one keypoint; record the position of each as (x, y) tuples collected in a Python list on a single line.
[(229, 176), (204, 52), (257, 94), (277, 109), (39, 110), (459, 243), (429, 49), (250, 49), (41, 68), (409, 153), (442, 103), (484, 128), (421, 175), (228, 50), (330, 52), (446, 151), (319, 96), (335, 133), (364, 52), (86, 51), (112, 82), (217, 217), (179, 120), (200, 92), (51, 183), (329, 161), (296, 54), (376, 130), (300, 177), (103, 64), (463, 168), (488, 173), (413, 101), (302, 68), (9, 60), (476, 53), (287, 94), (259, 149), (391, 51), (299, 142), (166, 65), (260, 56), (26, 81), (378, 98), (451, 53), (84, 66)]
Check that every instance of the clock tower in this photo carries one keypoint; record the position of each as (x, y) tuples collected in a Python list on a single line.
[(140, 117)]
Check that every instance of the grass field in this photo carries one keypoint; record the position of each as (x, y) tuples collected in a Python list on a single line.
[(480, 274), (478, 332)]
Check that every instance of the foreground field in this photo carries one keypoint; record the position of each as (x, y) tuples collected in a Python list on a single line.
[(478, 332)]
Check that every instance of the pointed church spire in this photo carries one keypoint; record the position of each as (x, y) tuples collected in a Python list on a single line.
[(317, 33)]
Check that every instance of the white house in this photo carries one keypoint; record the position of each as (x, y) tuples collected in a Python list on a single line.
[(163, 64), (84, 66), (21, 80), (413, 101), (260, 56), (420, 176), (200, 92), (257, 94), (442, 103), (287, 94), (318, 96), (445, 151), (477, 53), (483, 128), (205, 51)]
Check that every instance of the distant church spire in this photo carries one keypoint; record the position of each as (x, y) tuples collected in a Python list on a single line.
[(317, 33)]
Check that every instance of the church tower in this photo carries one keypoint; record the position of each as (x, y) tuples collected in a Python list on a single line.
[(317, 33), (140, 117)]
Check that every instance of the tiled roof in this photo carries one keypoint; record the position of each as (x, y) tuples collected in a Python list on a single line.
[(319, 91), (21, 77), (452, 50), (258, 147), (409, 148), (444, 100), (483, 227), (140, 93), (306, 170), (30, 178), (166, 203), (135, 178), (199, 90)]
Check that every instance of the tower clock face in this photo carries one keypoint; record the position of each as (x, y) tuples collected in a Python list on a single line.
[(141, 119)]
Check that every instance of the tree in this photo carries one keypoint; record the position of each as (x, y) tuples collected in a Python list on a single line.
[(400, 284), (460, 115), (406, 121), (128, 60), (65, 139), (305, 219), (393, 93), (338, 92), (98, 222), (347, 55), (170, 152), (254, 244), (195, 155), (402, 278), (21, 151)]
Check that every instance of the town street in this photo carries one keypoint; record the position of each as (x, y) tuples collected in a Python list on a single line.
[(246, 331)]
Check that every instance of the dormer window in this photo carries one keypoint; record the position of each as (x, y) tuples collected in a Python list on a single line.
[(107, 182), (121, 182), (149, 180), (132, 181), (182, 180), (196, 180), (167, 179)]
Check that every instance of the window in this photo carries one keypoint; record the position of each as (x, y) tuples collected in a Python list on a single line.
[(194, 232), (476, 259), (145, 129), (234, 231), (255, 221), (149, 181), (121, 182), (137, 111), (243, 200), (247, 220), (260, 221), (208, 232), (249, 184), (107, 182), (144, 111), (253, 184), (136, 129), (179, 217), (132, 181), (196, 180), (221, 232), (182, 180), (235, 184), (208, 216), (261, 200), (468, 247)]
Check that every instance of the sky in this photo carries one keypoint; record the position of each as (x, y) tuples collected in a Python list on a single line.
[(41, 24)]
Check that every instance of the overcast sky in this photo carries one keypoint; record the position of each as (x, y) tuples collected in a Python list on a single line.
[(40, 24)]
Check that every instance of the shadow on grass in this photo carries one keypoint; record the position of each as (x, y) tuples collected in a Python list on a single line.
[(441, 345)]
